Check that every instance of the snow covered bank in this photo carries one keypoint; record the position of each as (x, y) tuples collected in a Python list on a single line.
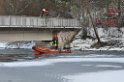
[(111, 35)]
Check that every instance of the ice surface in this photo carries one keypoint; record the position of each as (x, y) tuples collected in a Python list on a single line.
[(58, 60), (34, 67), (108, 76)]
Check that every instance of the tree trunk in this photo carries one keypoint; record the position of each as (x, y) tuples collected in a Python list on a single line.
[(84, 31), (97, 36), (119, 15)]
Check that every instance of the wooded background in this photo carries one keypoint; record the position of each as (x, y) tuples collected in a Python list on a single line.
[(60, 8)]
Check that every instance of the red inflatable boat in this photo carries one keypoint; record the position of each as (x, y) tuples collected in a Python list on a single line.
[(42, 51)]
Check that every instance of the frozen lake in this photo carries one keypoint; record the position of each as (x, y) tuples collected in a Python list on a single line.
[(87, 66)]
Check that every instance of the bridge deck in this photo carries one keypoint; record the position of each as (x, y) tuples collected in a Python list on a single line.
[(37, 22)]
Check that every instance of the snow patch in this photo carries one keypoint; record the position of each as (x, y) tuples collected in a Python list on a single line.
[(110, 35), (108, 76), (3, 45), (18, 44)]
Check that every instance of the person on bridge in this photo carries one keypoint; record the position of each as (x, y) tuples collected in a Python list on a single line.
[(44, 12), (55, 42)]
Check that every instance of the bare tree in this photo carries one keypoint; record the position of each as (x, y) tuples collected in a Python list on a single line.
[(2, 6), (92, 21), (16, 6), (84, 10)]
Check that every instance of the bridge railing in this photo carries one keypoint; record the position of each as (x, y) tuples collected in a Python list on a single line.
[(23, 21)]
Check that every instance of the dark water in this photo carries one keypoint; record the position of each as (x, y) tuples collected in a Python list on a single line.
[(7, 55), (102, 53)]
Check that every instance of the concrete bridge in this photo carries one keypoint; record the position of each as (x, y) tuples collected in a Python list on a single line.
[(16, 28)]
